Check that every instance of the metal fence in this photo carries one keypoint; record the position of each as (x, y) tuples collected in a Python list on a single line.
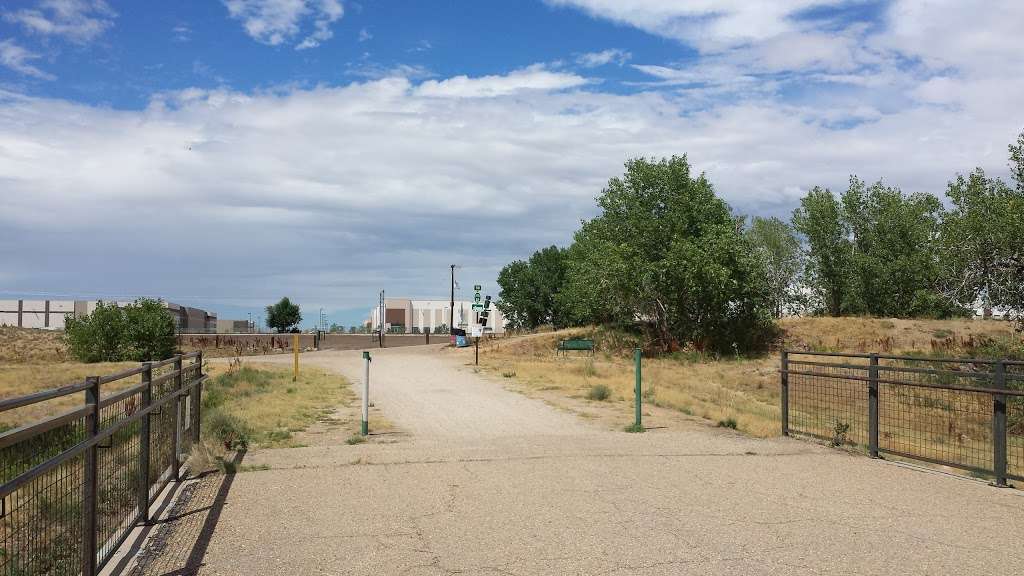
[(962, 413), (75, 484)]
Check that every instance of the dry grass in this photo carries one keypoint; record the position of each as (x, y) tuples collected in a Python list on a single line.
[(31, 345), (21, 379), (744, 390), (270, 405)]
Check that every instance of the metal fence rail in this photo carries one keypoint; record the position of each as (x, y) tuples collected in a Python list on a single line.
[(75, 484), (963, 413)]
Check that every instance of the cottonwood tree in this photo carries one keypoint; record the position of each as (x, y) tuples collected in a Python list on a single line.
[(983, 239), (820, 220), (668, 253), (782, 259), (283, 316), (893, 266), (529, 290)]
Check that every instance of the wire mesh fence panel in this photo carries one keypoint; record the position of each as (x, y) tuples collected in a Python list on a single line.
[(46, 467), (42, 519), (962, 413), (163, 432), (830, 404), (1015, 422), (118, 485)]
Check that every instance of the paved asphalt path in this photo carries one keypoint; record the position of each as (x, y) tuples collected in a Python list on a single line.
[(489, 482)]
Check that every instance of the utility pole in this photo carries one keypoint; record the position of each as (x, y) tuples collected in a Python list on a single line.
[(451, 309), (383, 312)]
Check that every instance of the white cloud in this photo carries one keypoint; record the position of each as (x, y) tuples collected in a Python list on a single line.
[(78, 21), (365, 35), (710, 25), (531, 78), (275, 22), (603, 58), (335, 188), (18, 59)]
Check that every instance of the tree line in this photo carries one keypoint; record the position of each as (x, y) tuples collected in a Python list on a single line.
[(666, 254)]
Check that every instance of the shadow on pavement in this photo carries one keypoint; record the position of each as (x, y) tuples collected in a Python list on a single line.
[(181, 537)]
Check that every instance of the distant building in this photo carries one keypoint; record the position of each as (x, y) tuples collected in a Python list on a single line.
[(418, 316), (50, 314), (233, 327)]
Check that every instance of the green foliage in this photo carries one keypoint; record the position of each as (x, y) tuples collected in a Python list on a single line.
[(634, 428), (819, 218), (728, 423), (529, 290), (283, 316), (140, 331), (355, 439), (599, 392), (982, 242), (781, 259), (227, 429), (894, 245), (667, 252)]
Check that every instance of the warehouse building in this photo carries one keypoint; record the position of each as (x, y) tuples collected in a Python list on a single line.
[(50, 314), (405, 315)]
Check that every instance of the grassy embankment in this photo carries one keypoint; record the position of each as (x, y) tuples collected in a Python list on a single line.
[(255, 405), (731, 391)]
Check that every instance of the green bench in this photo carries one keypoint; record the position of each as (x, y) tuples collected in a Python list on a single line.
[(580, 344)]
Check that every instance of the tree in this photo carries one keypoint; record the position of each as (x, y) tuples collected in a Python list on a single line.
[(283, 316), (149, 331), (982, 243), (529, 290), (820, 220), (894, 269), (779, 250), (667, 253), (140, 331)]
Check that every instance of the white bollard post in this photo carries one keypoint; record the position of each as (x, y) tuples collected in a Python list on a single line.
[(364, 427)]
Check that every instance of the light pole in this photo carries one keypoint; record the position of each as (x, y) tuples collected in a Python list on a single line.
[(249, 325), (451, 310)]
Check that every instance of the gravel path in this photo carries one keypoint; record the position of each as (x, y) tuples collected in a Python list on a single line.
[(491, 482)]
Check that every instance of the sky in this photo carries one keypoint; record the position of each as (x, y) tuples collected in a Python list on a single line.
[(223, 154)]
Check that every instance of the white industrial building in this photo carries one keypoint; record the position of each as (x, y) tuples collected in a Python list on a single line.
[(50, 314), (419, 316)]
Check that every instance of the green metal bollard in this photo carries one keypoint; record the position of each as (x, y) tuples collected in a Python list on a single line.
[(637, 354), (364, 425)]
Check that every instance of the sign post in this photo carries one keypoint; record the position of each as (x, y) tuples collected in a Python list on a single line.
[(364, 425), (295, 349)]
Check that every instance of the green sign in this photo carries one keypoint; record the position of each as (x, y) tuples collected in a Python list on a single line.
[(477, 287), (478, 307)]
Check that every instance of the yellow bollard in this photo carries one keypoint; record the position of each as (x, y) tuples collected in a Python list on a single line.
[(295, 348)]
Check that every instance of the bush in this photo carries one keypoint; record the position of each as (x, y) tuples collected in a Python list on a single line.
[(140, 331), (227, 429), (599, 392)]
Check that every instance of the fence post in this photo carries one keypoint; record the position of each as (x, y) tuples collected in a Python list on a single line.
[(999, 426), (175, 473), (197, 400), (784, 371), (873, 406), (144, 439), (90, 479), (637, 356)]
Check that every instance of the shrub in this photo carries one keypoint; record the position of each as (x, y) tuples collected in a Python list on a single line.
[(599, 392), (140, 331), (728, 423), (226, 429), (355, 439)]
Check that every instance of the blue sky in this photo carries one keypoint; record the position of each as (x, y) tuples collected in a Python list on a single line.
[(223, 154)]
